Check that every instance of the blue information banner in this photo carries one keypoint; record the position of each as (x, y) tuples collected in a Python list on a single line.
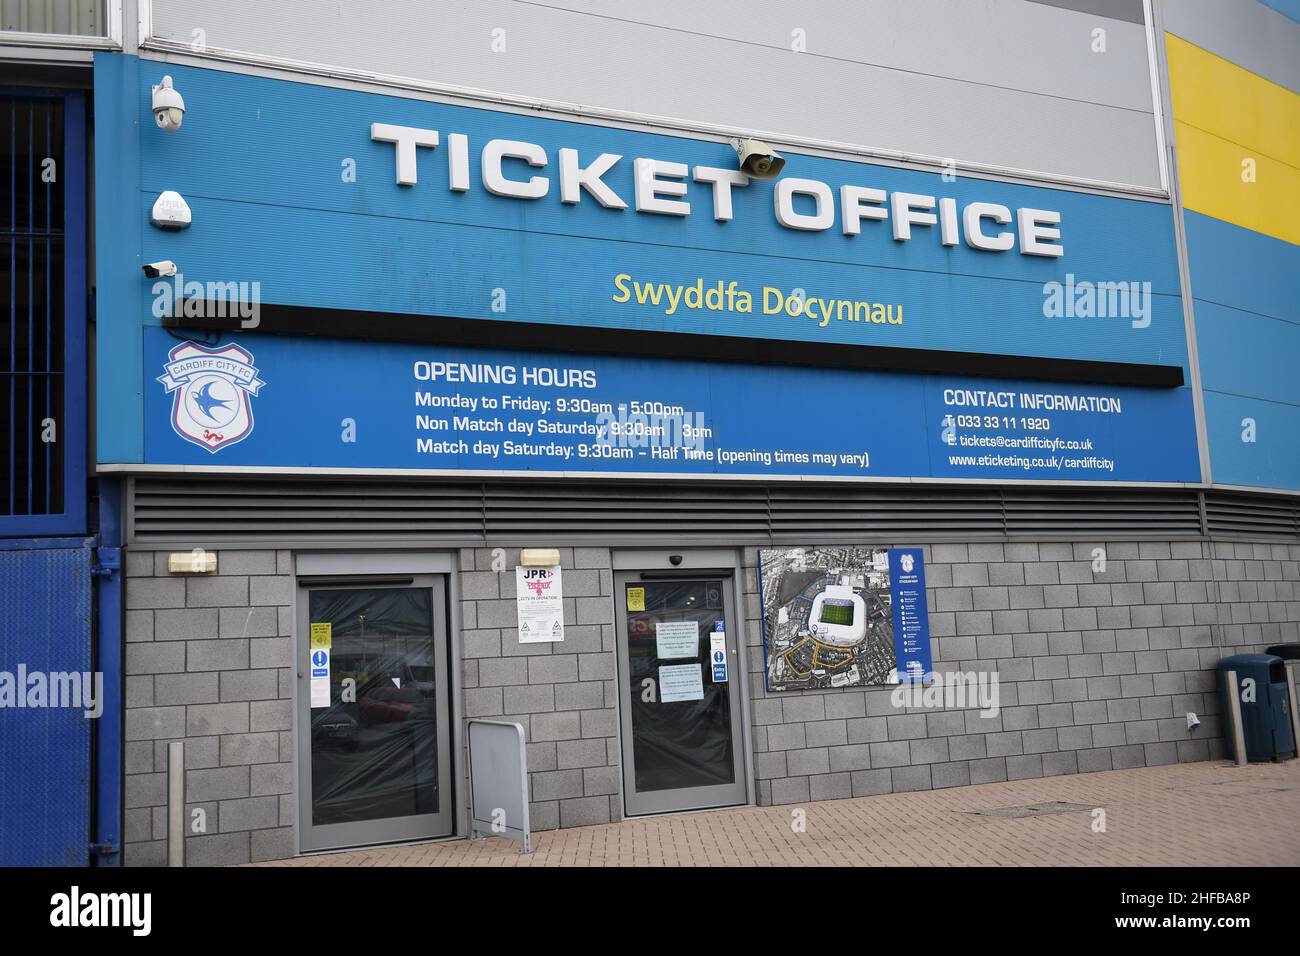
[(911, 615), (282, 223), (267, 401)]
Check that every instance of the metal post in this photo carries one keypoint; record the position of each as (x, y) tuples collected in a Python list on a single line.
[(1291, 698), (1234, 717), (176, 803)]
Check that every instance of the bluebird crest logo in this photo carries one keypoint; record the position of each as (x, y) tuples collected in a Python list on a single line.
[(212, 391)]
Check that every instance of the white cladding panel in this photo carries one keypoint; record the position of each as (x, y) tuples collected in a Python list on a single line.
[(1006, 83)]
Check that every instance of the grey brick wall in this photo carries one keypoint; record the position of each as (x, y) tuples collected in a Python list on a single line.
[(209, 660), (562, 694), (1097, 670)]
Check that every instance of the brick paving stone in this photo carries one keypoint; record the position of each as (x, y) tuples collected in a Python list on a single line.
[(1197, 814)]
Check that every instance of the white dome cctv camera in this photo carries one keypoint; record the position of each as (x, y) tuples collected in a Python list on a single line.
[(757, 159), (170, 211), (168, 106)]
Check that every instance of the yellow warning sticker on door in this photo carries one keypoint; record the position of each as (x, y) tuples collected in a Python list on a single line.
[(322, 635), (636, 599)]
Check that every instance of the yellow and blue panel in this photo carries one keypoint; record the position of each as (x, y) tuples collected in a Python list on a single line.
[(1238, 137)]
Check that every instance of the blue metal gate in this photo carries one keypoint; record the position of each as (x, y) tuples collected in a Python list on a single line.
[(46, 621), (45, 626)]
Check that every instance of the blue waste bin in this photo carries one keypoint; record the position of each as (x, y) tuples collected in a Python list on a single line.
[(1265, 713)]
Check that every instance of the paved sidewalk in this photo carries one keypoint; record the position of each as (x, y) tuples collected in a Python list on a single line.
[(1199, 814)]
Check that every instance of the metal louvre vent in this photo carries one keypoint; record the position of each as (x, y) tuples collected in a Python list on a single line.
[(1256, 516), (296, 511), (1100, 514), (956, 513), (840, 513), (238, 509), (679, 510)]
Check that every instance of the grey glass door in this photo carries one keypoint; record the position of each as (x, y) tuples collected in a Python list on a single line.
[(373, 712), (679, 693)]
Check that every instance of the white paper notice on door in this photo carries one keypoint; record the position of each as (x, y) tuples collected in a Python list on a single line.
[(677, 639), (539, 600), (680, 682)]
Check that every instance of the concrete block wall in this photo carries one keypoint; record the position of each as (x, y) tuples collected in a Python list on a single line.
[(209, 660), (563, 694), (1097, 670)]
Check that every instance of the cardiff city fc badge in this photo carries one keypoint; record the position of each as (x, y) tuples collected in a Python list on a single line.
[(212, 393)]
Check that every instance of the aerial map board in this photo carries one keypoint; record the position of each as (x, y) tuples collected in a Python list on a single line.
[(843, 616)]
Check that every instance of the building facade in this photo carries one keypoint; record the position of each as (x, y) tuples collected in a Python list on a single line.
[(404, 332)]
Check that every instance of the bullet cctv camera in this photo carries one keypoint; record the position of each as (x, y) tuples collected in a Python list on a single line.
[(168, 106), (155, 269), (674, 559), (757, 159)]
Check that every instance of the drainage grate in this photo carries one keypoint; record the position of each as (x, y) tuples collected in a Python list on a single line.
[(1035, 810), (1232, 788)]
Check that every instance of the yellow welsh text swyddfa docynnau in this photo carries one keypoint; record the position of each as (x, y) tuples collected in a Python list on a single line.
[(728, 296)]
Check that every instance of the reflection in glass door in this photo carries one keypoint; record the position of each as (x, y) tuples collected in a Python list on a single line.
[(374, 762), (681, 718)]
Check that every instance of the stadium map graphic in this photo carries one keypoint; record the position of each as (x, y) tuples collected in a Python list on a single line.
[(827, 620)]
